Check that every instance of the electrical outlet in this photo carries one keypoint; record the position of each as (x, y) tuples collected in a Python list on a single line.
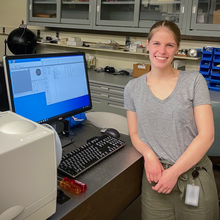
[(3, 30), (57, 34)]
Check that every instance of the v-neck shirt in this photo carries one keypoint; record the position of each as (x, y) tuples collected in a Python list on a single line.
[(168, 125)]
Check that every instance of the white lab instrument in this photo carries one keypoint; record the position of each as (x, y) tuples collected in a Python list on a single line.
[(28, 169)]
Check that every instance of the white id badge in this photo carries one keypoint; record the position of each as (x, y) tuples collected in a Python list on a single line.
[(192, 195)]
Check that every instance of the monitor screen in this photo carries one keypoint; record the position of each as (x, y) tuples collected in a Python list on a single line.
[(47, 87)]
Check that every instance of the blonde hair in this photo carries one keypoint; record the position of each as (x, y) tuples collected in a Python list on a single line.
[(170, 26)]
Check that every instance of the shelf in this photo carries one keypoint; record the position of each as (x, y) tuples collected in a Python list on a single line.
[(163, 2), (44, 2), (75, 3), (119, 3), (115, 51)]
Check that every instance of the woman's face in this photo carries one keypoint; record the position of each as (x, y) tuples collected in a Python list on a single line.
[(162, 47)]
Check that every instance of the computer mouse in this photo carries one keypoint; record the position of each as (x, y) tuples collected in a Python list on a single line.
[(112, 132)]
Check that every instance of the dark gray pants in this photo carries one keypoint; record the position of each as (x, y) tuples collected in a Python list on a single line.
[(159, 206)]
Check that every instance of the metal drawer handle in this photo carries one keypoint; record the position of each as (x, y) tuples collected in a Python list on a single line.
[(105, 88), (194, 9)]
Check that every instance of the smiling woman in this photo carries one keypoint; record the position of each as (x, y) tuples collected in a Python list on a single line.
[(170, 122)]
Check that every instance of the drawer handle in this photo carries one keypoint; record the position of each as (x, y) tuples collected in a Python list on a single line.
[(116, 106), (182, 9), (105, 88), (117, 91), (194, 9), (95, 101), (115, 98), (104, 95)]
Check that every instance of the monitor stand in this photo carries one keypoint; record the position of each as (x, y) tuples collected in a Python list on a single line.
[(62, 128)]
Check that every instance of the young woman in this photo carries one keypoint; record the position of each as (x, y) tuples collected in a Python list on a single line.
[(170, 123)]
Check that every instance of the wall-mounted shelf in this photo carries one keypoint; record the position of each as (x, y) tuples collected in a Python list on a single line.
[(115, 51)]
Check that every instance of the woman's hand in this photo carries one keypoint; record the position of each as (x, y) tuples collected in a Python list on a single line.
[(166, 182), (153, 167)]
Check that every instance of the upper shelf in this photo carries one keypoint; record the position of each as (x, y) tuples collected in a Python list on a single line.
[(116, 51)]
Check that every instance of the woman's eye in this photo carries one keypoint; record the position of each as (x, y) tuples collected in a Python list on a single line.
[(170, 45), (156, 43)]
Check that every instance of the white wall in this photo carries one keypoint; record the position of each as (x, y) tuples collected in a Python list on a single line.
[(12, 12)]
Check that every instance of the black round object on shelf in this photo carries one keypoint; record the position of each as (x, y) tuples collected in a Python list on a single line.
[(22, 41)]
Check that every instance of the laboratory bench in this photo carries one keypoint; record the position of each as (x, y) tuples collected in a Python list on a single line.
[(112, 184)]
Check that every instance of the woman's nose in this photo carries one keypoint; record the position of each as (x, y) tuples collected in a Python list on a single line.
[(162, 49)]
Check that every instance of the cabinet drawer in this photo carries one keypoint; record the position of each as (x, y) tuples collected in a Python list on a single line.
[(106, 88), (108, 106), (106, 96)]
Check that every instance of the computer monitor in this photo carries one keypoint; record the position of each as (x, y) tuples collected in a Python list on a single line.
[(47, 87)]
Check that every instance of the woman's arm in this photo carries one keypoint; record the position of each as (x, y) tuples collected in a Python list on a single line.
[(152, 164), (195, 151), (202, 142)]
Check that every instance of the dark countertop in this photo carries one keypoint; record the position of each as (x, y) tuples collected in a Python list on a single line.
[(99, 178)]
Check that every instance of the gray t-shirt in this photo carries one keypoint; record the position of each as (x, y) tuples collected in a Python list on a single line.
[(168, 125)]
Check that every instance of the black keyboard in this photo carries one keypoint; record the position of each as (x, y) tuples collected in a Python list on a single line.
[(81, 159)]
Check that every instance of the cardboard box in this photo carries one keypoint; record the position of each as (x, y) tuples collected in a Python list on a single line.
[(216, 17), (140, 69), (63, 41)]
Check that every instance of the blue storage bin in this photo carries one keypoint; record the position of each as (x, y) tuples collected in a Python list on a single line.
[(208, 50), (204, 71), (205, 64), (215, 79), (217, 51), (216, 58), (207, 78), (215, 73), (214, 87), (215, 66), (207, 57)]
